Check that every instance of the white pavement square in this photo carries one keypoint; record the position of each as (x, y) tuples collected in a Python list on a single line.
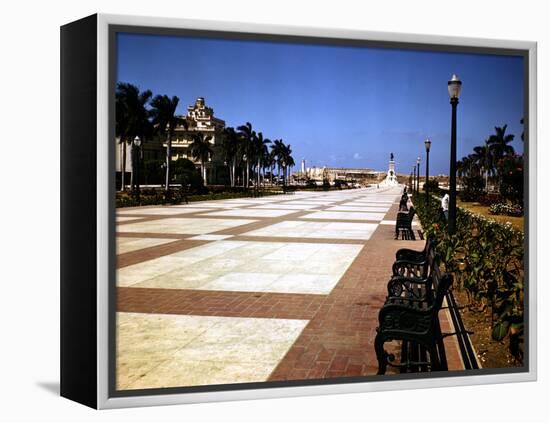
[(163, 210), (359, 208), (193, 226), (299, 268), (286, 206), (249, 213), (341, 215), (160, 351), (304, 229)]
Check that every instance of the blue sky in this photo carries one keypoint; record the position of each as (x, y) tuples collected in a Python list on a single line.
[(336, 106)]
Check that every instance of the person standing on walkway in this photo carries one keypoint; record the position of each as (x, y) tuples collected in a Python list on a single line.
[(445, 206)]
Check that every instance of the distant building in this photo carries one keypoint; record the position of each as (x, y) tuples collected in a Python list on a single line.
[(199, 119), (358, 175)]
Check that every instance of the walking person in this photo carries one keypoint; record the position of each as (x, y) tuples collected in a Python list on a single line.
[(445, 206)]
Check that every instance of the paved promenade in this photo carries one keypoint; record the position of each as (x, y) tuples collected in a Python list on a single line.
[(250, 290)]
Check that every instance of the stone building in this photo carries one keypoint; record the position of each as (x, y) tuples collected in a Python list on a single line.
[(201, 119), (356, 175)]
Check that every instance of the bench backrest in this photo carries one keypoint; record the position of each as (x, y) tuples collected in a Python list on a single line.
[(402, 219), (442, 282), (412, 212), (431, 262), (430, 244)]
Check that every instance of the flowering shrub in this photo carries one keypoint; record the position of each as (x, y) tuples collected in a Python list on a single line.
[(486, 259), (506, 209)]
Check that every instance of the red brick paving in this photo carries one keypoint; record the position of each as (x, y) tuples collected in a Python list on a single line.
[(218, 303), (339, 340), (149, 253)]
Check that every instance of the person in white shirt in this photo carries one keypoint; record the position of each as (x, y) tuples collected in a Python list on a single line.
[(445, 206)]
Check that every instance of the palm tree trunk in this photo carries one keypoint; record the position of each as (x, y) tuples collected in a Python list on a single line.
[(203, 168), (168, 160), (132, 154), (247, 174), (258, 176), (123, 164)]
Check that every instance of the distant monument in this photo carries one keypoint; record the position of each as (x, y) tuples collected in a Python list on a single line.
[(391, 177)]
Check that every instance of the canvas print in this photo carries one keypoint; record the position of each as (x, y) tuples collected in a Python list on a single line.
[(298, 210)]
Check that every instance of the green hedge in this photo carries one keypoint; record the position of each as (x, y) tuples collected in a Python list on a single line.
[(487, 260), (126, 199)]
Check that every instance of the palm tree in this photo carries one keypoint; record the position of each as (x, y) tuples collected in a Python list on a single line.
[(461, 168), (165, 120), (247, 136), (201, 149), (484, 159), (131, 118), (499, 144), (467, 167), (278, 152), (283, 157), (230, 149), (270, 164), (260, 152), (288, 161)]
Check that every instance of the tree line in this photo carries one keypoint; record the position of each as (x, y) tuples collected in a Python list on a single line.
[(495, 160), (140, 114)]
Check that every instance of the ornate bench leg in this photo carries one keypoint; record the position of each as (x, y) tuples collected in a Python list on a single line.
[(381, 354), (434, 359)]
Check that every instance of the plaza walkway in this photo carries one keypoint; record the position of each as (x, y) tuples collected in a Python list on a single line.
[(256, 289)]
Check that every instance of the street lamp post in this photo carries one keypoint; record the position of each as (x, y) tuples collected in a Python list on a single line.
[(427, 144), (284, 176), (135, 163), (454, 86), (414, 180), (245, 172), (418, 175)]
